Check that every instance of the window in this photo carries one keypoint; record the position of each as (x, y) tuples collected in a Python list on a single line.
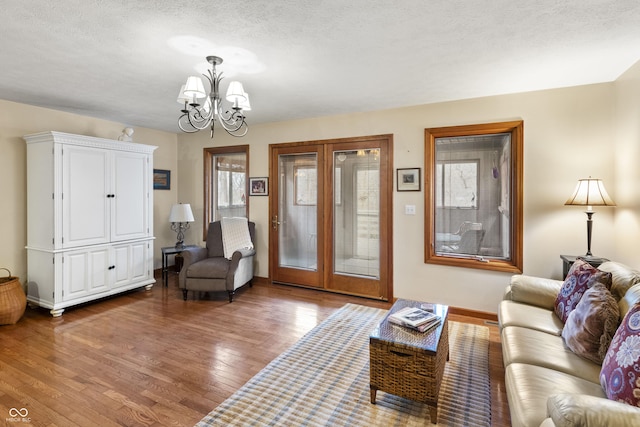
[(225, 183), (473, 196)]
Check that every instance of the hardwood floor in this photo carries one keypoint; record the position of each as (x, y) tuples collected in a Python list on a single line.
[(148, 358)]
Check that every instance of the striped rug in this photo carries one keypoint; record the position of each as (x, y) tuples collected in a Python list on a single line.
[(323, 380)]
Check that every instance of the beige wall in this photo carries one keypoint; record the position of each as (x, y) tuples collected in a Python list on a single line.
[(626, 141), (17, 120), (568, 135)]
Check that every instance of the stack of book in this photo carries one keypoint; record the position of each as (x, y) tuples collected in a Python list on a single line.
[(415, 318)]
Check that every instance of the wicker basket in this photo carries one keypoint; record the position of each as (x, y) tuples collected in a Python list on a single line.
[(12, 299)]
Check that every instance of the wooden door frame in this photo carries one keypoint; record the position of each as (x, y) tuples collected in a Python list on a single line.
[(386, 178), (312, 279)]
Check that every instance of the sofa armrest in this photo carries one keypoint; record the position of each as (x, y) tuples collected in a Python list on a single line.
[(569, 410), (531, 290)]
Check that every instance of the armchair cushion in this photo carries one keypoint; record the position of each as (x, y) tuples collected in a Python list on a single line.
[(214, 240), (209, 268)]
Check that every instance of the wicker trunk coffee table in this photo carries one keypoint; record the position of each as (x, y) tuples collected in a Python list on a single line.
[(409, 363)]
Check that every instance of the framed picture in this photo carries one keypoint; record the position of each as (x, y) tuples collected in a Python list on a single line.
[(408, 179), (161, 179), (259, 186)]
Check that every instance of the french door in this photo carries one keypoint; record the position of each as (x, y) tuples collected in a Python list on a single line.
[(331, 216)]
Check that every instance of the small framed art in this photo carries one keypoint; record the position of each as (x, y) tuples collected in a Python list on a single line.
[(161, 179), (408, 179), (259, 186)]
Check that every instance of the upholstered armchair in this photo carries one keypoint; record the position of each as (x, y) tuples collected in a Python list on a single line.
[(207, 269)]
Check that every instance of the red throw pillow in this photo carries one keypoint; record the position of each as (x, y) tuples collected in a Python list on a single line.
[(620, 373), (580, 277)]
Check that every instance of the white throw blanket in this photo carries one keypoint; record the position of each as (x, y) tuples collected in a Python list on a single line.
[(235, 235)]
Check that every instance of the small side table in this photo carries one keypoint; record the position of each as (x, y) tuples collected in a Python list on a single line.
[(568, 260), (170, 250)]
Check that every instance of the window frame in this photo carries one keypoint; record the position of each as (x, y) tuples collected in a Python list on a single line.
[(208, 154), (514, 263)]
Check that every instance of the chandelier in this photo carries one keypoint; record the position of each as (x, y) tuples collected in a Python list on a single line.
[(198, 114)]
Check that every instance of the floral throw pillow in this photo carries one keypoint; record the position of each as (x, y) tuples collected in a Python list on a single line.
[(620, 373), (580, 277)]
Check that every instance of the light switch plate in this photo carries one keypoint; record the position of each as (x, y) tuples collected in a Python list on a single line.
[(409, 209)]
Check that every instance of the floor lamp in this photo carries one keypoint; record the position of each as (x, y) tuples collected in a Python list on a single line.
[(590, 192)]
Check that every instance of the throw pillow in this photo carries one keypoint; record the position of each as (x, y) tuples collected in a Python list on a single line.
[(592, 324), (580, 277), (620, 373)]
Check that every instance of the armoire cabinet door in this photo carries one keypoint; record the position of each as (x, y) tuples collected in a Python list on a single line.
[(130, 204), (85, 205), (130, 263), (85, 272)]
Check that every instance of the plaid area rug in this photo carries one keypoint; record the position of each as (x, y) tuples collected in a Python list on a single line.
[(323, 380)]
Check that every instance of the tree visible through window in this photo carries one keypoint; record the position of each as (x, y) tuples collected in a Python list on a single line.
[(457, 184)]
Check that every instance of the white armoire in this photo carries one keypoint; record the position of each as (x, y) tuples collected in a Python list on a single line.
[(89, 218)]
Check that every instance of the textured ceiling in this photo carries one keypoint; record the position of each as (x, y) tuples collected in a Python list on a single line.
[(117, 59)]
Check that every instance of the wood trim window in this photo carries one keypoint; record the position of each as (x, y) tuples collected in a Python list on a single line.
[(226, 183), (473, 214)]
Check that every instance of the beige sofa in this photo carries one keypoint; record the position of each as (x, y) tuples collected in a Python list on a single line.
[(546, 383)]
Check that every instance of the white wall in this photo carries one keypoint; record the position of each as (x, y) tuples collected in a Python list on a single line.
[(568, 136)]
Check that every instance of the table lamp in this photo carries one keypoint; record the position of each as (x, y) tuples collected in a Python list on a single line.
[(590, 192), (180, 217)]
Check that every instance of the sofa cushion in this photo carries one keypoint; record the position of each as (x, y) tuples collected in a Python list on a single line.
[(580, 277), (576, 410), (591, 325), (512, 313), (622, 277), (631, 298), (532, 290), (523, 345), (529, 387), (620, 375)]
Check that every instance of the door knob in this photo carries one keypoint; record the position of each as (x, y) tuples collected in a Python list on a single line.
[(275, 223)]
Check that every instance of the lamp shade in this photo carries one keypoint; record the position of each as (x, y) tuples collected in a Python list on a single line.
[(244, 103), (590, 192), (181, 213), (194, 87), (182, 98), (235, 92)]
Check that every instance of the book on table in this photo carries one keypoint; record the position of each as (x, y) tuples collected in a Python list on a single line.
[(415, 318)]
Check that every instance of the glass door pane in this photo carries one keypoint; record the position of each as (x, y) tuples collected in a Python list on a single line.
[(297, 211), (356, 212)]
